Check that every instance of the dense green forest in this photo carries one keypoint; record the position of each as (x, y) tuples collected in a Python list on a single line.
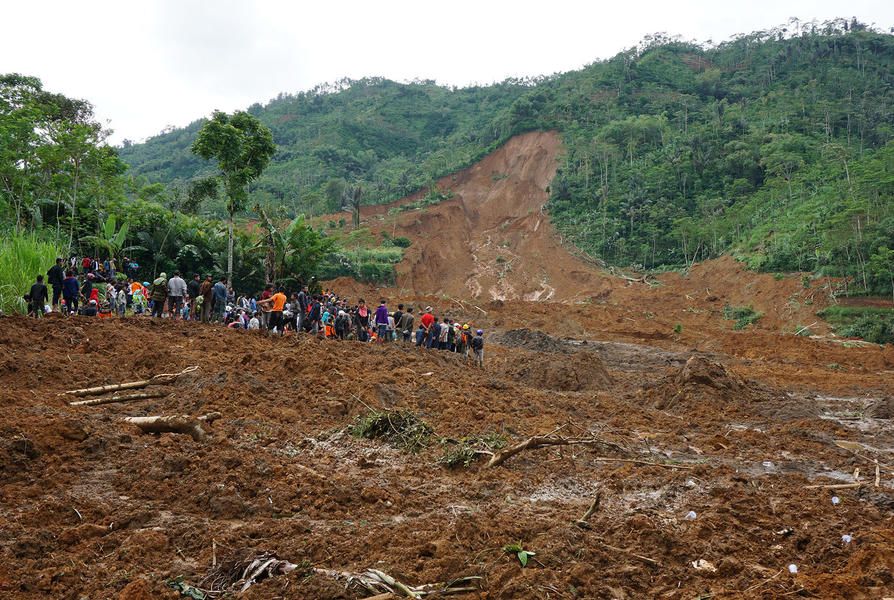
[(65, 192), (776, 145)]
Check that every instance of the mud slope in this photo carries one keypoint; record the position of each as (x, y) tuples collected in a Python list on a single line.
[(493, 239)]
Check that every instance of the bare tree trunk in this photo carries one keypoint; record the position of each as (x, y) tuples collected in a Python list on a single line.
[(230, 226)]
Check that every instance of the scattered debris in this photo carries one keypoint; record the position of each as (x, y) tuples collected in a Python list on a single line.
[(114, 399), (594, 506), (846, 538), (400, 428), (162, 378), (378, 582), (691, 515), (793, 568), (703, 565), (174, 424)]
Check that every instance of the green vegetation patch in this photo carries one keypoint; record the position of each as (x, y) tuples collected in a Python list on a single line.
[(742, 315), (400, 428), (870, 323), (465, 451)]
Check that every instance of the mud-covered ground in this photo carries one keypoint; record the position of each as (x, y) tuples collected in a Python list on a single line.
[(733, 426)]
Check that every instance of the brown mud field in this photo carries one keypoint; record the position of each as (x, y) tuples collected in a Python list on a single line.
[(736, 430)]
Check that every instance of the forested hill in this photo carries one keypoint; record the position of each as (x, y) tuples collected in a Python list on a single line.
[(776, 145)]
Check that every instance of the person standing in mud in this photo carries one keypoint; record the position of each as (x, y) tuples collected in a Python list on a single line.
[(55, 277), (382, 322), (276, 305), (159, 294), (207, 292), (362, 321), (192, 292), (70, 287), (405, 327), (219, 297), (478, 348), (427, 321), (38, 297)]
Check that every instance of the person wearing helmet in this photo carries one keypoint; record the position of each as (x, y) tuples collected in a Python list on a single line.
[(478, 348)]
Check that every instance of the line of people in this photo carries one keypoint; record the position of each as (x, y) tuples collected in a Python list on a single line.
[(95, 292)]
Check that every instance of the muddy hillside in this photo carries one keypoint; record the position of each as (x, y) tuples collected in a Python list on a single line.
[(612, 464)]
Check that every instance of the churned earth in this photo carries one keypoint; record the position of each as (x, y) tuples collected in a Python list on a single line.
[(735, 429)]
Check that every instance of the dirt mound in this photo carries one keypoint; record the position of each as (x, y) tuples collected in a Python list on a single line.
[(531, 339), (700, 382), (573, 372)]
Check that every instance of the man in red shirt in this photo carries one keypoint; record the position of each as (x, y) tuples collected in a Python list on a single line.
[(427, 320)]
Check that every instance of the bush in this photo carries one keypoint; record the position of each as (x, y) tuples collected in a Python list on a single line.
[(742, 315), (872, 328), (401, 429), (401, 242), (22, 258)]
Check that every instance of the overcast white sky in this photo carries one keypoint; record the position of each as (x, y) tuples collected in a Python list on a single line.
[(146, 65)]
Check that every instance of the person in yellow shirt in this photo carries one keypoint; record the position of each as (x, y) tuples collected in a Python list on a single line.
[(277, 303)]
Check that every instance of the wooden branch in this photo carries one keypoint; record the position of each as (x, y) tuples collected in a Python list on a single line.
[(170, 424), (646, 559), (159, 379), (114, 399), (536, 441), (835, 486), (582, 522)]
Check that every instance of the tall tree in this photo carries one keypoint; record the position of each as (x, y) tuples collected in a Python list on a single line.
[(242, 147)]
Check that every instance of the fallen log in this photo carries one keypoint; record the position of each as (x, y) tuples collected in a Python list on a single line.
[(171, 424), (159, 379), (381, 584), (114, 399)]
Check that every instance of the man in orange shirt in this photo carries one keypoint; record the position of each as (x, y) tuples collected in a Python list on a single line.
[(277, 303)]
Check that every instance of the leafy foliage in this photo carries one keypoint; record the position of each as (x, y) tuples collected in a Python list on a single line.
[(742, 315), (402, 429), (520, 553)]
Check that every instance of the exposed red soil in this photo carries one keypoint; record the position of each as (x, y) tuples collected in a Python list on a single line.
[(89, 505)]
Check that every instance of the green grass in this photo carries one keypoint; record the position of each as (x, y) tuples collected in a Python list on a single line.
[(22, 258)]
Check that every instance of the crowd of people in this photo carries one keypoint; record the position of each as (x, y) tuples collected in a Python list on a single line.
[(94, 288)]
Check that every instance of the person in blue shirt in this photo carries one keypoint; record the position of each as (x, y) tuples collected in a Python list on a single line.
[(70, 291), (219, 295)]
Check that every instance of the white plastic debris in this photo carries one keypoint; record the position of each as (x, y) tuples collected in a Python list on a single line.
[(793, 568), (836, 500), (690, 516), (703, 565), (847, 539), (768, 464)]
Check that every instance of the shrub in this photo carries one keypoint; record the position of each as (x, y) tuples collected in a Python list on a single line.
[(401, 242), (742, 315), (402, 429), (872, 328)]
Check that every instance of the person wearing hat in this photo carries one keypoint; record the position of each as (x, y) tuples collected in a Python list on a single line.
[(158, 293), (92, 309), (478, 348)]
